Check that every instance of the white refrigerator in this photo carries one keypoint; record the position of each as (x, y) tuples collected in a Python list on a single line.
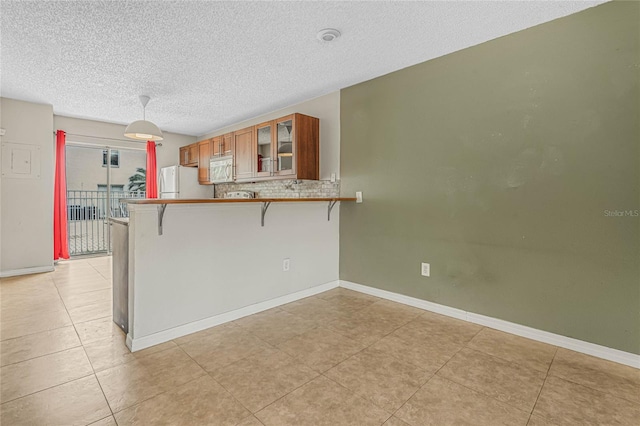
[(182, 182)]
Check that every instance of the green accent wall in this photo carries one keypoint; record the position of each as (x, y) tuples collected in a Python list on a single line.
[(503, 166)]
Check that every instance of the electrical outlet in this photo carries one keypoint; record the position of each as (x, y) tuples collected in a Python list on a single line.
[(333, 178), (286, 264), (426, 269), (358, 196)]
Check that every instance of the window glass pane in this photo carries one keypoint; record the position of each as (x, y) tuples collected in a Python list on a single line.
[(115, 158), (89, 208)]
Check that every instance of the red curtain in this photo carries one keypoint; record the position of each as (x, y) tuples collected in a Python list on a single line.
[(152, 172), (60, 243)]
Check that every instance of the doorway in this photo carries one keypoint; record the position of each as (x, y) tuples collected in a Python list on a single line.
[(98, 179)]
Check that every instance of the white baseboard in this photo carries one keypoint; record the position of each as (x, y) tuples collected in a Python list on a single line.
[(139, 343), (593, 349), (26, 271)]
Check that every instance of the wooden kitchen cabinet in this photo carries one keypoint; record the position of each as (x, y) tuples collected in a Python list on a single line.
[(184, 155), (222, 145), (216, 146), (189, 155), (263, 148), (243, 159), (288, 147), (285, 148), (204, 154), (227, 144), (193, 154)]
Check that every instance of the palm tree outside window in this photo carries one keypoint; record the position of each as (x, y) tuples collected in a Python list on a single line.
[(138, 181)]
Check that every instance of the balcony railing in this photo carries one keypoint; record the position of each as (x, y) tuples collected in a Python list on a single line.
[(87, 218)]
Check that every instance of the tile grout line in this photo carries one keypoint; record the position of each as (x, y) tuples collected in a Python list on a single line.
[(293, 390), (564, 379), (466, 345), (213, 378), (51, 353), (151, 397), (95, 376), (357, 395), (85, 351), (104, 418), (378, 340), (361, 350), (69, 381), (587, 386), (475, 390), (436, 372), (272, 346), (542, 387), (269, 345), (320, 373), (513, 363), (508, 360), (49, 387)]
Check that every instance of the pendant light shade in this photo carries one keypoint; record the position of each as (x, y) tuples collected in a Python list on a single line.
[(143, 130)]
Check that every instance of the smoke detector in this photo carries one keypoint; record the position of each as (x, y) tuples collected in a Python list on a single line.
[(327, 35)]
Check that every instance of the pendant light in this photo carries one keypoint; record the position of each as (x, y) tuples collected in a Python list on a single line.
[(143, 130)]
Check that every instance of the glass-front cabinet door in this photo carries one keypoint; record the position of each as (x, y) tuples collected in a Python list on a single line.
[(264, 149), (285, 146)]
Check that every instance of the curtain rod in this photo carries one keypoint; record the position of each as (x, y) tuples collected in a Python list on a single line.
[(104, 138)]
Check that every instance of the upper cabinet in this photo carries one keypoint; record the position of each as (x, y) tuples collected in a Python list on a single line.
[(204, 154), (263, 147), (243, 154), (227, 144), (288, 147), (222, 145), (189, 155), (285, 148)]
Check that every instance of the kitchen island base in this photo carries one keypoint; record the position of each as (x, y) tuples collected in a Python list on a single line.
[(215, 263)]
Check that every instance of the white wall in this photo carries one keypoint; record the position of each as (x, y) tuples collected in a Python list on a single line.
[(212, 259), (26, 218), (85, 170), (327, 109), (167, 155)]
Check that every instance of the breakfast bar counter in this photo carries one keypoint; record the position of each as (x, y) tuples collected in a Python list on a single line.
[(266, 202), (229, 200), (196, 263)]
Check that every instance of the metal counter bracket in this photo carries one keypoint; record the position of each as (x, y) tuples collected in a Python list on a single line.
[(329, 208), (161, 209), (265, 206)]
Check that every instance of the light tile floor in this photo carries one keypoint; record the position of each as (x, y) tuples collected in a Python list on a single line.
[(339, 358)]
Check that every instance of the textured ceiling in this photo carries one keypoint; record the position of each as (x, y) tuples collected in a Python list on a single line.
[(209, 64)]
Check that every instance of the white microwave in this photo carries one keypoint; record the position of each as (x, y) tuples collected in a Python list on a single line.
[(221, 169)]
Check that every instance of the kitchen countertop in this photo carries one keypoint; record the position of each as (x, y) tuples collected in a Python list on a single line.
[(229, 200)]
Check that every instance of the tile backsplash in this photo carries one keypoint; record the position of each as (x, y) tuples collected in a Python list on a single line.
[(289, 188)]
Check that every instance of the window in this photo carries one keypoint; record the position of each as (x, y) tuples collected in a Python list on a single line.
[(115, 158), (114, 188)]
